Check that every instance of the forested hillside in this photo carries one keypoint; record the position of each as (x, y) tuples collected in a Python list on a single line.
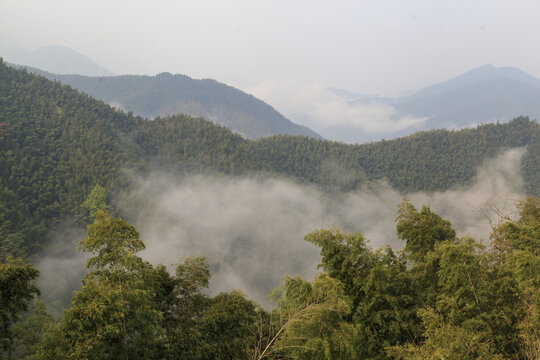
[(56, 144), (167, 94)]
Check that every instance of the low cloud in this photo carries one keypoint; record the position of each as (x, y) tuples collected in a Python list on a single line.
[(61, 266), (252, 230), (324, 110)]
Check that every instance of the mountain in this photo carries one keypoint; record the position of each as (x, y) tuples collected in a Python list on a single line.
[(56, 59), (56, 144), (481, 74), (485, 94), (167, 94)]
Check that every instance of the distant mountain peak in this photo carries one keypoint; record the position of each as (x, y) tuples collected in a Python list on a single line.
[(485, 67), (55, 59), (487, 72), (492, 71)]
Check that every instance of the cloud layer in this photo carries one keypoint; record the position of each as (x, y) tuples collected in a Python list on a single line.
[(327, 112), (252, 230)]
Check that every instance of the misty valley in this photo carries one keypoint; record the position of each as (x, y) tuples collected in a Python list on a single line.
[(184, 219)]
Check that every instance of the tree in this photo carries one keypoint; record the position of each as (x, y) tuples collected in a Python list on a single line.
[(96, 200), (29, 331), (226, 328), (114, 315), (345, 257), (517, 255), (421, 230), (187, 306), (192, 276), (313, 321), (445, 341), (17, 288), (379, 286)]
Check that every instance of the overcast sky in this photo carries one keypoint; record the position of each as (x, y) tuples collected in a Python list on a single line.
[(362, 46)]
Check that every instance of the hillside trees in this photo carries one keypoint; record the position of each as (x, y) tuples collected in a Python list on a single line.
[(17, 288), (381, 290), (114, 313), (476, 305), (129, 309), (202, 327), (517, 254), (421, 230), (315, 313), (58, 145), (442, 297)]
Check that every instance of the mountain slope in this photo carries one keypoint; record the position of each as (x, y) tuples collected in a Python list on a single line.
[(167, 94), (56, 59), (56, 144), (487, 101), (482, 95), (475, 76)]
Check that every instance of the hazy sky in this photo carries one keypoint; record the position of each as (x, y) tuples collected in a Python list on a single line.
[(374, 46)]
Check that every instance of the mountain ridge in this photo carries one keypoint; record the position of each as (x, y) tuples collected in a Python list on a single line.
[(477, 75), (485, 94), (482, 95), (167, 94)]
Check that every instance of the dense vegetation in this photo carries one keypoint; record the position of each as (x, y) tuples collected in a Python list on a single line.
[(56, 144), (442, 297)]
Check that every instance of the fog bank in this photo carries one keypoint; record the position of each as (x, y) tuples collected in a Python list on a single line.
[(252, 230)]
